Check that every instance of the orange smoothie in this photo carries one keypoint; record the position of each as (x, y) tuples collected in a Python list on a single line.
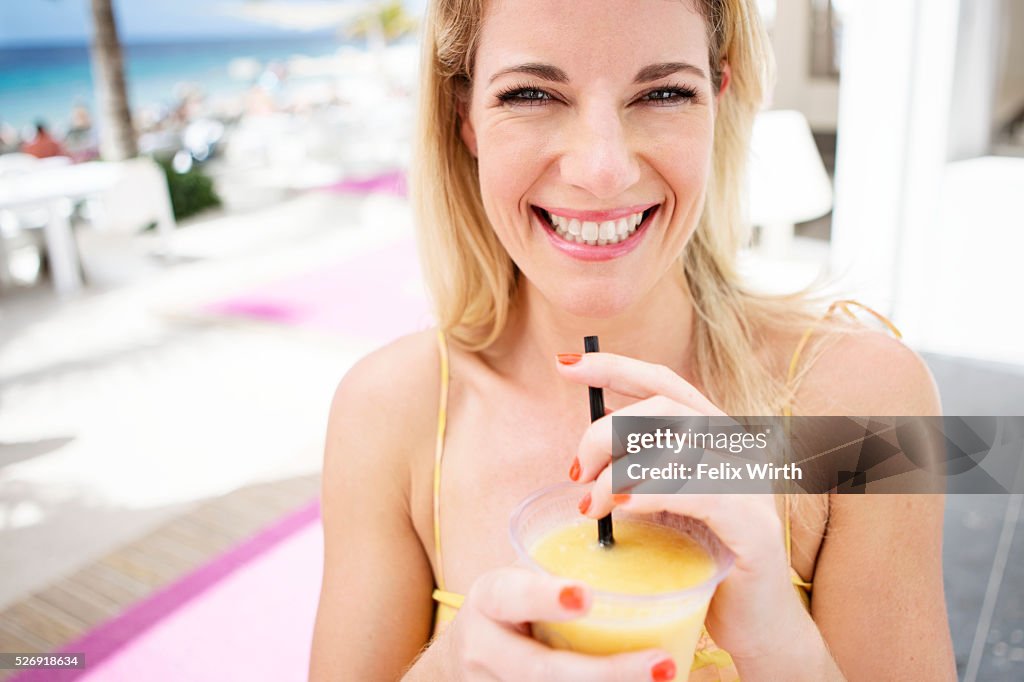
[(646, 560)]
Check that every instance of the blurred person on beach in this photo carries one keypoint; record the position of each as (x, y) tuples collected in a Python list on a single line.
[(580, 171), (80, 141), (189, 100), (43, 145)]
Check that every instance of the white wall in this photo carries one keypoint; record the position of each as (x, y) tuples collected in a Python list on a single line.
[(816, 98), (934, 244), (897, 79), (975, 77)]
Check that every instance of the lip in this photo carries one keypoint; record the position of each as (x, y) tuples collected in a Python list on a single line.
[(598, 216), (585, 252)]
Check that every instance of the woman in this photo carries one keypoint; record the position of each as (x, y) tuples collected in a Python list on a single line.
[(580, 173)]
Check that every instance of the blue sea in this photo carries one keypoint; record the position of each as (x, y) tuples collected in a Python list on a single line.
[(45, 82)]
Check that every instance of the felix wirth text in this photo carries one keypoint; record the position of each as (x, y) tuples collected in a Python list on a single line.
[(735, 442)]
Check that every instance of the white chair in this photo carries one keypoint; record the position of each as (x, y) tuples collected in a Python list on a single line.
[(137, 198), (16, 223)]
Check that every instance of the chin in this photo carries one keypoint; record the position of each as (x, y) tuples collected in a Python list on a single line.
[(594, 305)]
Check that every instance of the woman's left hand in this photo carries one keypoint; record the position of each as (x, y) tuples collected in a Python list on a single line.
[(755, 609)]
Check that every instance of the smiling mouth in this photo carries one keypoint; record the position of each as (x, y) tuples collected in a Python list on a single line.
[(593, 233)]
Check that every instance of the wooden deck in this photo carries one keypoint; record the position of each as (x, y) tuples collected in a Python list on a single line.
[(70, 607)]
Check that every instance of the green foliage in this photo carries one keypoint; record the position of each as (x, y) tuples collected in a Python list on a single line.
[(191, 192), (387, 18)]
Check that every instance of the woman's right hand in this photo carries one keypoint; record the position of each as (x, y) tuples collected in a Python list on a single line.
[(490, 636)]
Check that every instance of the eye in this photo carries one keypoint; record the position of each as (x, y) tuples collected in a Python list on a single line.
[(524, 96), (670, 96)]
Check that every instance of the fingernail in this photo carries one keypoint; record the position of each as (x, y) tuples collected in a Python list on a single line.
[(572, 598), (585, 504), (665, 670), (574, 470), (621, 498), (569, 358)]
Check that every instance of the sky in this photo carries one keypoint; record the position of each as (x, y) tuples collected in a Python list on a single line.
[(43, 22)]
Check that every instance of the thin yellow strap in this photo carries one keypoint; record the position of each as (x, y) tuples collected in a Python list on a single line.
[(879, 316), (450, 599), (843, 305), (442, 418), (794, 362), (794, 577), (789, 532)]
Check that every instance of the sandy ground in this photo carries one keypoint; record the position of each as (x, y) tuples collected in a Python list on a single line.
[(120, 409)]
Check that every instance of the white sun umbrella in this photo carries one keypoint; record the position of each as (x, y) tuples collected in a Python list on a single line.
[(788, 182)]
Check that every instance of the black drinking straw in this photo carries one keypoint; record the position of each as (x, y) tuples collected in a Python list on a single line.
[(604, 524)]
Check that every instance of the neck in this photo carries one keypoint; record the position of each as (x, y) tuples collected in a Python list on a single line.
[(656, 329)]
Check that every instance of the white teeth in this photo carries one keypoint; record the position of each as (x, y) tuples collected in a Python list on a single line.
[(593, 232)]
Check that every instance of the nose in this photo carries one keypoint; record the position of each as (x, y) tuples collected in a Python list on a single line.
[(597, 156)]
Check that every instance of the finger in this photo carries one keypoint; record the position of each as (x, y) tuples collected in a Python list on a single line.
[(740, 521), (600, 502), (516, 657), (635, 378), (595, 451), (515, 595)]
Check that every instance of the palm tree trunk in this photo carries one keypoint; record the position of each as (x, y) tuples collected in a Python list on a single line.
[(117, 135)]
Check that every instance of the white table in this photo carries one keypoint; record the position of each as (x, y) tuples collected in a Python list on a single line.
[(57, 188)]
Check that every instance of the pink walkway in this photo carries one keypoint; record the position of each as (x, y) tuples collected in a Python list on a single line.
[(375, 297), (247, 615)]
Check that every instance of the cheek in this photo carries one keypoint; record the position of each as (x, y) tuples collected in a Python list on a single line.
[(684, 164), (509, 165), (682, 153)]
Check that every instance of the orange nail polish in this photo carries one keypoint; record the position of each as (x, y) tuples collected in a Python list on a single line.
[(663, 671), (574, 470), (572, 598), (569, 358), (585, 504), (621, 498)]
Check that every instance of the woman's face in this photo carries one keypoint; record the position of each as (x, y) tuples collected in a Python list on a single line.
[(592, 123)]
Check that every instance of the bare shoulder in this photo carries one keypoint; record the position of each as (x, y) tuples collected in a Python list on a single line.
[(395, 375), (387, 401), (375, 613), (885, 545), (866, 372)]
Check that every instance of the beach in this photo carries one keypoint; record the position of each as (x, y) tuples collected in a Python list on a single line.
[(45, 81)]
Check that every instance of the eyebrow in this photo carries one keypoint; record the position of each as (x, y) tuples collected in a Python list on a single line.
[(658, 71), (545, 71), (647, 74)]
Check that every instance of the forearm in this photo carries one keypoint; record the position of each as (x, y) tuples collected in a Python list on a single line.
[(801, 655)]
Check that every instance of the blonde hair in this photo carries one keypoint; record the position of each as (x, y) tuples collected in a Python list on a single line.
[(472, 278)]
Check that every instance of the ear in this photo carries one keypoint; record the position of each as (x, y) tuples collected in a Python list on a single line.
[(466, 131), (726, 78)]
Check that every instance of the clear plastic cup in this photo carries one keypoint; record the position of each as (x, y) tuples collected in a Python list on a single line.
[(618, 622)]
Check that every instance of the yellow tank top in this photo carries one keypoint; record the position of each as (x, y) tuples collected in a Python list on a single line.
[(710, 663)]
